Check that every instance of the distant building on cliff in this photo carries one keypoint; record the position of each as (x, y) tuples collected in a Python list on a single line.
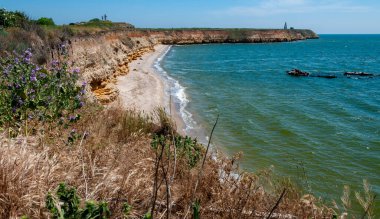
[(285, 26)]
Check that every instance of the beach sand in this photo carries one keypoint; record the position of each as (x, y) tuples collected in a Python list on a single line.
[(143, 88)]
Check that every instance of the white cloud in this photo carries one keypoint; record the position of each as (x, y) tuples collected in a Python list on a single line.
[(272, 7)]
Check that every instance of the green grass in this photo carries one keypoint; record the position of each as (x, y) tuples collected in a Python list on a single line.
[(99, 23)]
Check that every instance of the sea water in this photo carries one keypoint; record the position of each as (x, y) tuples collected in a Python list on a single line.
[(322, 133)]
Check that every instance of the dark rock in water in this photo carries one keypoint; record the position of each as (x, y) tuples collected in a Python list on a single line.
[(357, 74), (297, 72)]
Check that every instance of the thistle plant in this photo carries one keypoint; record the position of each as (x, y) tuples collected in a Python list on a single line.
[(32, 92)]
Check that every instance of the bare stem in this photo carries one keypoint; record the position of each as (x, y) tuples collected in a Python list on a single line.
[(277, 203), (203, 163)]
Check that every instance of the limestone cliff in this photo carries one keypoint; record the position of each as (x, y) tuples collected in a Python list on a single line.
[(105, 55), (188, 36)]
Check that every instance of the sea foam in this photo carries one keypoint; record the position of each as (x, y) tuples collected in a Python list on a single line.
[(174, 89)]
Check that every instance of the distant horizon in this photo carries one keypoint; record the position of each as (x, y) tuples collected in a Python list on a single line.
[(323, 16)]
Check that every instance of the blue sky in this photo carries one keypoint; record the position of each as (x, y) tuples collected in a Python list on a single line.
[(322, 16)]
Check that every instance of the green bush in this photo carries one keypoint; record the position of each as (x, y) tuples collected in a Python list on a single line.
[(45, 21), (98, 23), (187, 147), (32, 92), (95, 20), (13, 19), (126, 209), (66, 205)]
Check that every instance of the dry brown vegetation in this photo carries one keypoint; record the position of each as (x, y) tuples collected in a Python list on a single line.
[(112, 159)]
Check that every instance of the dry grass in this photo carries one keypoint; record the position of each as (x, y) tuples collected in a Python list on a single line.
[(100, 167), (112, 160)]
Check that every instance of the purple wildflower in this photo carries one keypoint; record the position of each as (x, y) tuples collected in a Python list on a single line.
[(27, 60), (81, 104), (76, 70), (55, 63), (84, 84), (31, 91), (28, 53), (33, 77), (72, 118), (6, 71), (42, 75)]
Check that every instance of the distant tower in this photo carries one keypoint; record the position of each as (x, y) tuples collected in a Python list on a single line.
[(105, 17), (285, 26)]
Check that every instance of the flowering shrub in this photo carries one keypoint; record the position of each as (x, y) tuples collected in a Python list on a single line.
[(29, 91), (12, 19)]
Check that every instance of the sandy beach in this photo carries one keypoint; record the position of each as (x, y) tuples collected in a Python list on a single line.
[(142, 88)]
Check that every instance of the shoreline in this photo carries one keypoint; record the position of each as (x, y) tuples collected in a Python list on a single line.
[(144, 87)]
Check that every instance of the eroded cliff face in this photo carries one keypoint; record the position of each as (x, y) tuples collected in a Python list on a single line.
[(230, 36), (104, 56)]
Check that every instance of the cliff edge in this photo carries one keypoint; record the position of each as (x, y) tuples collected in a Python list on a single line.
[(105, 55)]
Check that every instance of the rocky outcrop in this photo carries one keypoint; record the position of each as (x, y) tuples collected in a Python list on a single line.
[(105, 55)]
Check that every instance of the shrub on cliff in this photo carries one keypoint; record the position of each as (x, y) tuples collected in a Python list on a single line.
[(98, 23), (95, 20), (45, 21), (13, 19), (32, 92)]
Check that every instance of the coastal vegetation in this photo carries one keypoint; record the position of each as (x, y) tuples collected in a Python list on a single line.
[(45, 21), (96, 22), (63, 155), (32, 92), (13, 19)]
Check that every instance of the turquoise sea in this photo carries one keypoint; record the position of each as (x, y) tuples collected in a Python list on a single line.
[(322, 133)]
